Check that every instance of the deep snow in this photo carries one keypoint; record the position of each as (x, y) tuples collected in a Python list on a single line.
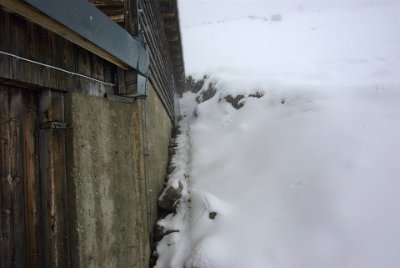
[(307, 175)]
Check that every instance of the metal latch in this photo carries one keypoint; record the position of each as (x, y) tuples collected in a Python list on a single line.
[(54, 125)]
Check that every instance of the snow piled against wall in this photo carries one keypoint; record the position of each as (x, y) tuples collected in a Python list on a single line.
[(308, 174)]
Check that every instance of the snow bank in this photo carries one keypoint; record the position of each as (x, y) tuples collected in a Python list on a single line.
[(309, 182), (307, 174)]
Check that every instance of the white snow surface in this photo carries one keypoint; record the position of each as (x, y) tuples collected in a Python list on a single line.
[(308, 175)]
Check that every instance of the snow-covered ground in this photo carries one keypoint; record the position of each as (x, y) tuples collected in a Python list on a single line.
[(308, 175)]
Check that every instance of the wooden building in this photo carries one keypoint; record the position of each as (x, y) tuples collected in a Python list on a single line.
[(87, 104)]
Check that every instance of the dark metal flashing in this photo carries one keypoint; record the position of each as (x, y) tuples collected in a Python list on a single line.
[(141, 85)]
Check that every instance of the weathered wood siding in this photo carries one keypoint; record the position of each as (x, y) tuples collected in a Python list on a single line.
[(161, 69), (37, 69), (170, 15), (12, 158), (73, 64)]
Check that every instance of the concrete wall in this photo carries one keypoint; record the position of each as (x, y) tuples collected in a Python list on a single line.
[(108, 193), (158, 133)]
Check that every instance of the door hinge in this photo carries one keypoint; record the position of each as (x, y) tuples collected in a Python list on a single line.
[(54, 125)]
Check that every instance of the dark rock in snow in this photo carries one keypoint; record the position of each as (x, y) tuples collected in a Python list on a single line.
[(176, 131), (170, 198), (171, 151), (195, 113), (159, 232), (153, 259), (212, 215), (172, 143), (170, 169)]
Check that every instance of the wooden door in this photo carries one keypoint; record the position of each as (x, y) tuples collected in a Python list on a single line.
[(33, 200), (19, 176)]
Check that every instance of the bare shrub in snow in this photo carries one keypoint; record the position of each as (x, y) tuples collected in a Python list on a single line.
[(207, 94), (192, 85), (237, 102), (258, 94)]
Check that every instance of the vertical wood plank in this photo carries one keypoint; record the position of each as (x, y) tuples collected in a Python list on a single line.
[(4, 46), (3, 111), (128, 79), (5, 30), (83, 66), (12, 186), (131, 17), (31, 178), (63, 58), (53, 183)]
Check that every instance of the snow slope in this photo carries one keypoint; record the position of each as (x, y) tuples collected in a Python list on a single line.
[(307, 175)]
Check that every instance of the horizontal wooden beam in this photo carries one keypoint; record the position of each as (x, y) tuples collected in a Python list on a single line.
[(168, 14), (117, 18), (83, 24), (172, 25), (112, 10), (108, 2)]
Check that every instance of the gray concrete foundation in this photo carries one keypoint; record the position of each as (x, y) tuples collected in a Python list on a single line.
[(117, 155)]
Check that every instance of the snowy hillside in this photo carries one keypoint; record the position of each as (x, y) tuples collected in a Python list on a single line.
[(305, 171)]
